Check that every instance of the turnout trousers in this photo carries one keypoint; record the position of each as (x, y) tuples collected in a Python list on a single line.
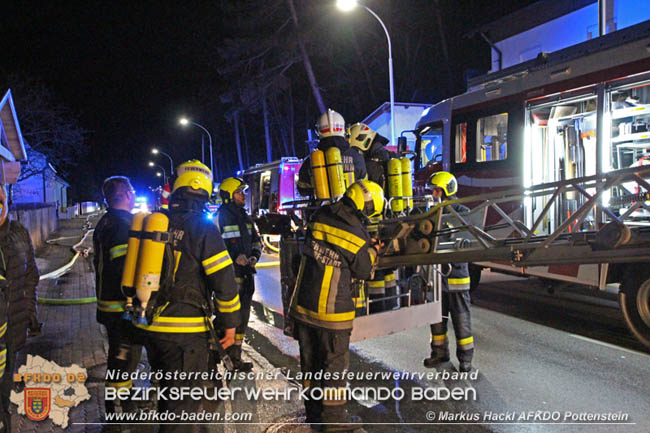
[(455, 306), (246, 290), (6, 385), (123, 355), (327, 351), (183, 353)]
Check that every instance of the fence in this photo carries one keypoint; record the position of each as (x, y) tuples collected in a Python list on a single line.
[(40, 219)]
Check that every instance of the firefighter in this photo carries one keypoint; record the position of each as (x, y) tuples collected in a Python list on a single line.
[(337, 249), (371, 146), (20, 278), (331, 133), (245, 246), (109, 245), (455, 294), (177, 337)]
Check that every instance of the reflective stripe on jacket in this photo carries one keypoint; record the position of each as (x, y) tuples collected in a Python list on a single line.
[(337, 248)]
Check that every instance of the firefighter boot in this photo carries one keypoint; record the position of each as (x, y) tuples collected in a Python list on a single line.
[(234, 352), (439, 346)]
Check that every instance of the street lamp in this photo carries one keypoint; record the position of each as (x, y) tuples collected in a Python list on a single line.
[(152, 164), (184, 121), (349, 5), (156, 151)]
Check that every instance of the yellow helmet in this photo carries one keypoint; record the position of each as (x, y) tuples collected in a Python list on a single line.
[(446, 181), (361, 136), (230, 186), (368, 197), (195, 175)]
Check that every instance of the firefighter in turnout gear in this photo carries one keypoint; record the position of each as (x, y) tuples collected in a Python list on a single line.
[(245, 246), (455, 294), (331, 132), (371, 146), (109, 246), (337, 249), (178, 334)]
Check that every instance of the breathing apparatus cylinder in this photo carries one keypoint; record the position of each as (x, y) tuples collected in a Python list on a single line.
[(150, 261), (395, 184), (319, 174), (335, 176), (407, 182), (130, 263)]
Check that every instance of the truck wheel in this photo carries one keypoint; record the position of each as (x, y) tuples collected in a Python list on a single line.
[(474, 277), (635, 305)]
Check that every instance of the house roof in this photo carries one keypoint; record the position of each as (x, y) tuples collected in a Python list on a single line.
[(529, 17), (11, 128)]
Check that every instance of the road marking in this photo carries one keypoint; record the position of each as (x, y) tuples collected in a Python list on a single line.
[(612, 346)]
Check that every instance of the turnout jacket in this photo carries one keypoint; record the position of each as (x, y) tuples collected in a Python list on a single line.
[(337, 249), (377, 162), (239, 234), (110, 240), (18, 267), (352, 162), (455, 275), (202, 268)]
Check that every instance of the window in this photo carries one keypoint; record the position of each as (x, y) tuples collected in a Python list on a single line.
[(461, 142), (431, 146), (491, 138)]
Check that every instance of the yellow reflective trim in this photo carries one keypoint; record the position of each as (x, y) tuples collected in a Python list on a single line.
[(174, 330), (230, 228), (233, 301), (126, 384), (214, 258), (331, 317), (465, 341), (170, 319), (389, 277), (356, 240), (334, 240), (219, 266), (118, 251), (239, 336), (376, 284), (2, 278), (458, 280), (439, 337), (3, 329), (177, 261), (325, 289)]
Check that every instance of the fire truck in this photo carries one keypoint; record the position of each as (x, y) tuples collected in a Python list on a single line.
[(551, 151)]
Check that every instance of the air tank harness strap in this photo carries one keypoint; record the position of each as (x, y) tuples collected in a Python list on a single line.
[(164, 237)]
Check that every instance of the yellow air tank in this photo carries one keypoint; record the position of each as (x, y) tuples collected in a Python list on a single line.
[(395, 184), (407, 182), (335, 172), (130, 262), (150, 261), (319, 174)]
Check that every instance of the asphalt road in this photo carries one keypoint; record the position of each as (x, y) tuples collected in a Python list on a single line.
[(565, 357)]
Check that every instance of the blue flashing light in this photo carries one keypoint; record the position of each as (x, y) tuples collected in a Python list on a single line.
[(209, 216), (141, 199)]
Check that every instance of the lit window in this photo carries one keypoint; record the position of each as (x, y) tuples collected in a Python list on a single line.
[(461, 142), (492, 138)]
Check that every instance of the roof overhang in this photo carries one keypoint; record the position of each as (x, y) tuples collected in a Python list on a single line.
[(11, 129)]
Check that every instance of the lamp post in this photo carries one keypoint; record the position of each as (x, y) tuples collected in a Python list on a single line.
[(152, 164), (185, 121), (156, 151), (347, 6)]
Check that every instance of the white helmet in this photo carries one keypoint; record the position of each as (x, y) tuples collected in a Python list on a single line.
[(331, 124)]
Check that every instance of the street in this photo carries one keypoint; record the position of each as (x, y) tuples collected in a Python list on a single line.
[(563, 355)]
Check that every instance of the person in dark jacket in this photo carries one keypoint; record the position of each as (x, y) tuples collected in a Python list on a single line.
[(337, 249), (20, 274), (455, 294), (178, 337), (245, 246), (331, 131), (110, 240)]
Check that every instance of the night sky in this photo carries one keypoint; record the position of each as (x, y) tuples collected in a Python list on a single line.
[(130, 69)]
